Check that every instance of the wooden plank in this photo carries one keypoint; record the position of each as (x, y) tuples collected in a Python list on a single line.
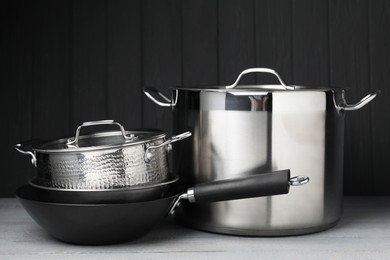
[(124, 63), (310, 43), (273, 39), (100, 34), (349, 62), (236, 37), (380, 80), (88, 75), (51, 69), (200, 43), (16, 65), (161, 52)]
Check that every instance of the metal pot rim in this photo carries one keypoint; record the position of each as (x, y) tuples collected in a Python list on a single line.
[(257, 88)]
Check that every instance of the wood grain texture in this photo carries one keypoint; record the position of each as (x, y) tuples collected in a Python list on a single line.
[(310, 43), (236, 40), (274, 39), (349, 63), (88, 98), (51, 54), (200, 43), (16, 80), (380, 80), (124, 63), (65, 62), (161, 55)]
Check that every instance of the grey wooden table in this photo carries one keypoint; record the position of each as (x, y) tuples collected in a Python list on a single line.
[(363, 233)]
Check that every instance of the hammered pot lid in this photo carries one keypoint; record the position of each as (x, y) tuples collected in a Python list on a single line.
[(99, 140)]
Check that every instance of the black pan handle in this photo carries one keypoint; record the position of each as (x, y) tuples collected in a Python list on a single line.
[(258, 185), (265, 184)]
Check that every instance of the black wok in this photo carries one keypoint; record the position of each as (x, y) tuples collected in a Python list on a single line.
[(96, 224)]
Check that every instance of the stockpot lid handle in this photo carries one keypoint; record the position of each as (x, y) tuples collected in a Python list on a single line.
[(263, 70), (75, 141)]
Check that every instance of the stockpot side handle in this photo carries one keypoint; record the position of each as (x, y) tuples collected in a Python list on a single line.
[(364, 101), (258, 185), (263, 70), (166, 101), (75, 141), (149, 154)]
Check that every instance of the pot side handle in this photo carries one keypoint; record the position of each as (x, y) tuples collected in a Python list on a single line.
[(166, 101), (24, 148), (364, 101), (149, 154)]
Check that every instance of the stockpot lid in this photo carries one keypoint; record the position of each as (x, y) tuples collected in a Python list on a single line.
[(99, 140), (250, 90), (235, 88)]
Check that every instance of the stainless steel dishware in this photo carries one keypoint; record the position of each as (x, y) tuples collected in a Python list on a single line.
[(242, 130), (101, 160)]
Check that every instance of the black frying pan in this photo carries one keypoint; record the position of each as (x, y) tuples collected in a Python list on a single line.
[(96, 224), (114, 195)]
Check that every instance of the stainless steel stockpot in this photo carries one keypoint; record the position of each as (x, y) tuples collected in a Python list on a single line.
[(101, 160), (245, 130)]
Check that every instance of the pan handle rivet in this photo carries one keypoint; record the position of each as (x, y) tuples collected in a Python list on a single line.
[(148, 156)]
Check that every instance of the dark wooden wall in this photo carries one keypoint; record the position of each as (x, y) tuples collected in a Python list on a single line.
[(65, 62)]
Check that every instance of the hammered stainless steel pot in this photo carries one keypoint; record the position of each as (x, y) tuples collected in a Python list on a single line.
[(102, 160), (245, 130)]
